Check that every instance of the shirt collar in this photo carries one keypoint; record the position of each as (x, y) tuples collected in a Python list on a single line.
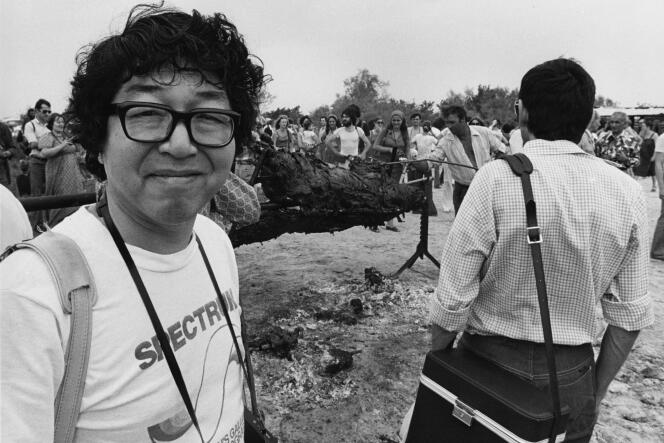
[(547, 147), (448, 134)]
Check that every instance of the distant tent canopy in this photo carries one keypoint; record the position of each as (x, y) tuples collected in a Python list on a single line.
[(650, 113)]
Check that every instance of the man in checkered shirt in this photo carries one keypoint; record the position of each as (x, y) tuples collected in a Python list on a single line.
[(595, 249)]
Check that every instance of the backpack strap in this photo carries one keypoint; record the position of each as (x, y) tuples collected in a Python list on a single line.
[(73, 279)]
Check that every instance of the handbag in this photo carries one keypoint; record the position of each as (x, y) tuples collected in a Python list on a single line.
[(254, 430), (464, 398)]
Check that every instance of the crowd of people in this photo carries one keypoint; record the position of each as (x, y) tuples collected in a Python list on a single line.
[(163, 108), (51, 163)]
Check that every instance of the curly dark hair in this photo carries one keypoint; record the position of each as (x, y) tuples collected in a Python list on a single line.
[(157, 39)]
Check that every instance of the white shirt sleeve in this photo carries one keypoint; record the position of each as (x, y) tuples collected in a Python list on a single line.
[(29, 132), (31, 355), (659, 144), (14, 222)]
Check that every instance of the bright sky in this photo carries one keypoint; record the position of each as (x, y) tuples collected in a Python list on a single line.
[(423, 48)]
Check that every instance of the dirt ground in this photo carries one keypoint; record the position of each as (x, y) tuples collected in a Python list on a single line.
[(284, 282)]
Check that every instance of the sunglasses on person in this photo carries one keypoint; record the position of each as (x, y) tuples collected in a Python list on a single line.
[(45, 111), (379, 122)]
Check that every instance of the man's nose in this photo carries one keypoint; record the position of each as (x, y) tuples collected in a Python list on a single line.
[(179, 144)]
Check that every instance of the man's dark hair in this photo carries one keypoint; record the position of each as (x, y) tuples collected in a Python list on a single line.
[(352, 111), (40, 103), (455, 110), (438, 123), (304, 117), (351, 116), (507, 128), (155, 39), (51, 120), (558, 96), (415, 114)]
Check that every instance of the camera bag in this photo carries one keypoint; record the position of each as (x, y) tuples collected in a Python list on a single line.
[(464, 398)]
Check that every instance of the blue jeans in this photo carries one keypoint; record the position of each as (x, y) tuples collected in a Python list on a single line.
[(576, 374), (657, 249)]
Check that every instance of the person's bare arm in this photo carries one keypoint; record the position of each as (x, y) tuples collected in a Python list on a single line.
[(441, 338), (332, 141), (615, 348), (659, 172), (378, 146), (367, 146)]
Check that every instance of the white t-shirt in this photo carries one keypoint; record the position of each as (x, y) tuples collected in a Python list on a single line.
[(424, 143), (34, 130), (659, 144), (130, 395), (516, 141), (349, 140), (14, 223), (308, 138)]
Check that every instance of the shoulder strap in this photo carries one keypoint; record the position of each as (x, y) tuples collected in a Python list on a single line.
[(73, 279), (521, 166)]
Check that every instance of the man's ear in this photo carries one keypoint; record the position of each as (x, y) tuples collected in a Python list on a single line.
[(526, 135), (523, 115)]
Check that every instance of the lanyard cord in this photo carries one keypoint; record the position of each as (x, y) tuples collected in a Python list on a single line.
[(102, 209), (243, 362)]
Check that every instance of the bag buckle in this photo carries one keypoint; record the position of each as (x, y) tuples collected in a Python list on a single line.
[(534, 235), (463, 412)]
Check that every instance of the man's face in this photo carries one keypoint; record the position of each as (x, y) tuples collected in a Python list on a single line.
[(43, 113), (617, 123), (165, 183), (415, 121), (322, 121), (345, 120), (451, 119)]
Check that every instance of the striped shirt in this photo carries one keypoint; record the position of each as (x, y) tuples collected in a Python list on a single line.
[(595, 248), (449, 148)]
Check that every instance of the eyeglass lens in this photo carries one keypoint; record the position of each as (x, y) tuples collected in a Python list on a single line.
[(147, 124)]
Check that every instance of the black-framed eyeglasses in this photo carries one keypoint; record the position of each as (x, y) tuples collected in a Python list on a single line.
[(154, 123)]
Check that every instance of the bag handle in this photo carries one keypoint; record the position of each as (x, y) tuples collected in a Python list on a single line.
[(521, 166)]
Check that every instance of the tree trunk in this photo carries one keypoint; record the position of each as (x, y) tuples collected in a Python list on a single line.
[(308, 196)]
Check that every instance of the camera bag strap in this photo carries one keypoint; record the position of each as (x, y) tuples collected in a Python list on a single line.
[(77, 292), (176, 373), (521, 166)]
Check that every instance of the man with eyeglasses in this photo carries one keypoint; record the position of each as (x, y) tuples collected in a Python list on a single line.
[(34, 130), (161, 110)]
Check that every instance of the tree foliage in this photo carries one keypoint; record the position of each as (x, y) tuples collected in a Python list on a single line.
[(292, 113), (604, 102), (487, 103), (369, 92)]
